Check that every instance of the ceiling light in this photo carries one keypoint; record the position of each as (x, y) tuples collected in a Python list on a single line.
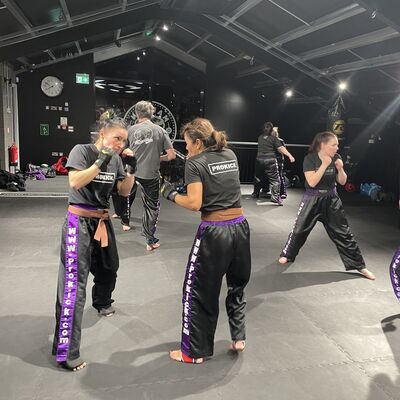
[(98, 85), (157, 38), (144, 52), (342, 86), (289, 93), (138, 58), (114, 90), (165, 27)]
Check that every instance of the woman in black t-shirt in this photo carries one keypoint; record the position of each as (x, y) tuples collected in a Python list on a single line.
[(221, 246), (88, 242), (267, 167), (323, 167)]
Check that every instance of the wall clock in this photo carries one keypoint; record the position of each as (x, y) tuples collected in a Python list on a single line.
[(51, 86)]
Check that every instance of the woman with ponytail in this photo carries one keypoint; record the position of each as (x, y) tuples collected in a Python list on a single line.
[(267, 163), (323, 167), (221, 246)]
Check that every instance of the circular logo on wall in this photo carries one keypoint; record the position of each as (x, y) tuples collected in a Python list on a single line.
[(338, 127), (162, 117)]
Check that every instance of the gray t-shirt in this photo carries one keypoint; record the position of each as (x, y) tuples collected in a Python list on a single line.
[(218, 171), (148, 140), (97, 192)]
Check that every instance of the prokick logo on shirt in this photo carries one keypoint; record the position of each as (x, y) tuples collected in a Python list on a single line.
[(105, 177), (223, 166)]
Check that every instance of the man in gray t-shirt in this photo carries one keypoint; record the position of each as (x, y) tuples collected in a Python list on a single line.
[(147, 141)]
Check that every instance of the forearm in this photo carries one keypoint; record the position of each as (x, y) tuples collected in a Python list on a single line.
[(79, 179), (187, 202), (125, 186), (164, 157), (315, 178), (283, 150), (341, 177)]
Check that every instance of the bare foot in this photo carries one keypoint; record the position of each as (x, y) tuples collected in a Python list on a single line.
[(367, 273), (126, 228), (73, 365), (150, 247), (238, 345), (177, 355), (282, 260)]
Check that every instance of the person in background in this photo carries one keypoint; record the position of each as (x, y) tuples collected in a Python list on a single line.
[(147, 141), (323, 168), (267, 164), (280, 158)]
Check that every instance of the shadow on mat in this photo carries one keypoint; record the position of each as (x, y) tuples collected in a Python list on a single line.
[(391, 329), (148, 373)]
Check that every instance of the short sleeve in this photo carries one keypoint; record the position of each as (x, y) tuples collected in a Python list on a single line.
[(167, 144), (192, 173), (309, 163), (77, 158), (276, 143), (120, 169)]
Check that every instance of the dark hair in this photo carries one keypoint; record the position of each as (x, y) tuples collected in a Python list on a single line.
[(322, 137), (202, 129), (267, 128)]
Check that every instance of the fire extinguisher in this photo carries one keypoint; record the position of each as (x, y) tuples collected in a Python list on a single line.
[(13, 155)]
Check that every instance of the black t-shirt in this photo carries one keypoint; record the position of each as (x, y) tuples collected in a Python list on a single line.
[(268, 146), (218, 171), (328, 181), (97, 192)]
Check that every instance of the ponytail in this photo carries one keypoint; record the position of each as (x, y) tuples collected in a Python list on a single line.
[(202, 129)]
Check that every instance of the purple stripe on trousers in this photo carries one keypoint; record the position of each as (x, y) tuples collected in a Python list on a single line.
[(70, 288), (394, 267), (191, 270)]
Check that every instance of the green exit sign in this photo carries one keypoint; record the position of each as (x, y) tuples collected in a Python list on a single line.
[(82, 78)]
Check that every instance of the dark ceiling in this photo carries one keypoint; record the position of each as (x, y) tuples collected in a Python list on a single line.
[(270, 45)]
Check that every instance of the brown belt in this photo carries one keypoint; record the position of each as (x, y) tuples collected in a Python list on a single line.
[(222, 215), (101, 231)]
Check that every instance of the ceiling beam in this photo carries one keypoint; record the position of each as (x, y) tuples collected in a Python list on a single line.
[(282, 81), (238, 12), (369, 63), (251, 71), (98, 15), (18, 14), (230, 61), (271, 48), (117, 33), (78, 31), (66, 12), (320, 23), (357, 41), (181, 55), (384, 11)]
